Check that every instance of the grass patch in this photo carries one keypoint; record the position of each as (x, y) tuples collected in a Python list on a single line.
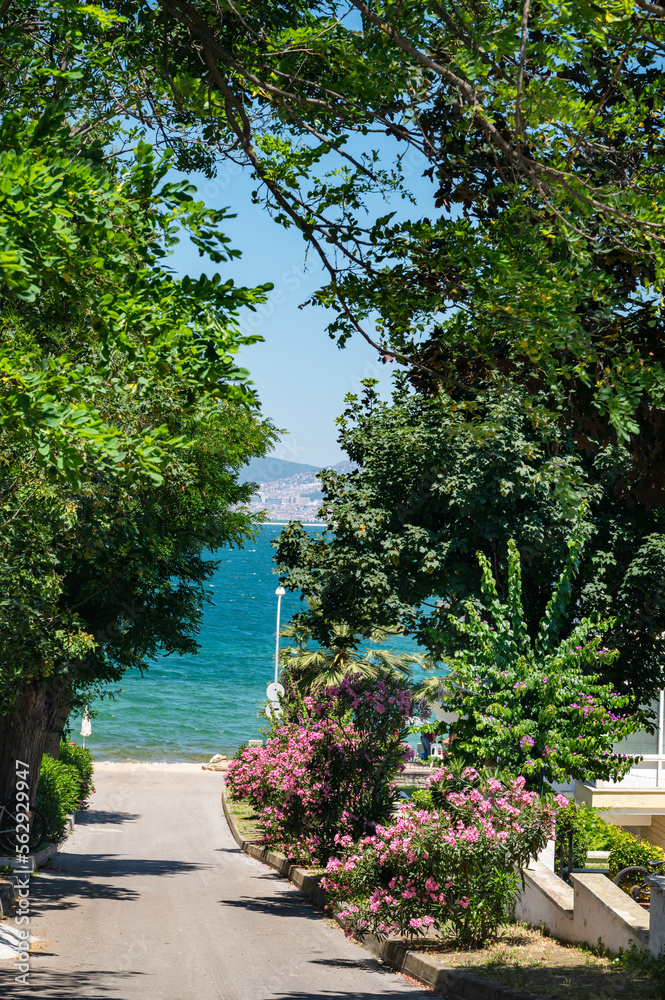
[(244, 818), (526, 959)]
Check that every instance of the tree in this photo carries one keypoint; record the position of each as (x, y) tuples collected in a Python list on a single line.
[(312, 668), (547, 250), (84, 230), (431, 489), (98, 577), (124, 419), (537, 707), (542, 254)]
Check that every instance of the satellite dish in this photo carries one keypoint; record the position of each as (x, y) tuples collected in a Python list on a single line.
[(274, 691)]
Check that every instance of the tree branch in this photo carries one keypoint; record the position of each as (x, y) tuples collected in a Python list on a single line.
[(519, 124), (650, 8)]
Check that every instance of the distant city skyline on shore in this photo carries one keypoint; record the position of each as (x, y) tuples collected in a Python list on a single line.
[(288, 491)]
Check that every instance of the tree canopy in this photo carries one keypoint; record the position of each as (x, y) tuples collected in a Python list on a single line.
[(539, 126), (124, 418), (430, 491)]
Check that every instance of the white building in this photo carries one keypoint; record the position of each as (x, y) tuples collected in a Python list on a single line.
[(638, 800)]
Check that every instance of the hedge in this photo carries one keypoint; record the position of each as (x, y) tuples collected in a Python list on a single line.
[(64, 786), (632, 850), (58, 794), (81, 759)]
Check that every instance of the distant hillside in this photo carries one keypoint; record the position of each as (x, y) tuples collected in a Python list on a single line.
[(266, 470), (345, 466)]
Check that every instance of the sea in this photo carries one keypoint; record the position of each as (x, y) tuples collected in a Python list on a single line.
[(188, 708)]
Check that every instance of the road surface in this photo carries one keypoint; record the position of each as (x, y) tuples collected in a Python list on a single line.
[(151, 899)]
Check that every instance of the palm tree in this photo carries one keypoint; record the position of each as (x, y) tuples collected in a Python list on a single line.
[(320, 666)]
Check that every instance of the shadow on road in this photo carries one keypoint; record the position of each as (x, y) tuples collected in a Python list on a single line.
[(67, 892), (289, 904), (117, 865), (49, 985), (366, 964), (356, 994), (94, 816), (74, 878)]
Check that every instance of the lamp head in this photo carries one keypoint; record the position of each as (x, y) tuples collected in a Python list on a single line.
[(280, 591)]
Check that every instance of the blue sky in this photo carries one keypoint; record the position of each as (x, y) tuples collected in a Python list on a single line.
[(300, 374)]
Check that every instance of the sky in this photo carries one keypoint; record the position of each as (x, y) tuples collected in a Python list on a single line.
[(300, 374)]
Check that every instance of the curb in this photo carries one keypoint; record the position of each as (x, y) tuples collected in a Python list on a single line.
[(29, 864), (456, 985), (8, 895), (309, 884)]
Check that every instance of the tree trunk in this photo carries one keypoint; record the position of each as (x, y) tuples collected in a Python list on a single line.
[(52, 747), (24, 732)]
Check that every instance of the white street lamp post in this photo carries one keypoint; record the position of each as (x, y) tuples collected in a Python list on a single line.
[(275, 691), (280, 594)]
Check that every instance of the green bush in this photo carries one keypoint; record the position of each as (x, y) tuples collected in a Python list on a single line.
[(422, 799), (630, 850), (591, 832), (80, 758), (602, 835), (58, 794)]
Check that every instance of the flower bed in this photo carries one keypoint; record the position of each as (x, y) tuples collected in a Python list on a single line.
[(328, 766), (453, 867)]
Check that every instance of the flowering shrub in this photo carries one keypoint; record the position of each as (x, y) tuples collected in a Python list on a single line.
[(630, 850), (537, 706), (453, 867), (328, 767)]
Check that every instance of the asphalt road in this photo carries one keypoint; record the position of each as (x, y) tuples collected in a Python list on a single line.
[(153, 900)]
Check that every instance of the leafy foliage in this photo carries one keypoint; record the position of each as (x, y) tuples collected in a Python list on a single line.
[(312, 668), (567, 821), (630, 850), (81, 758), (541, 245), (124, 417), (98, 578), (537, 706), (433, 486), (83, 237), (59, 791), (591, 831)]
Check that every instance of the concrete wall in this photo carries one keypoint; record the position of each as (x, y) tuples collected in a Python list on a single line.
[(602, 911), (589, 910), (657, 915), (546, 899)]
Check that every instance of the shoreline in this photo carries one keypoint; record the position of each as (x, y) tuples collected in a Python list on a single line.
[(150, 765), (305, 524)]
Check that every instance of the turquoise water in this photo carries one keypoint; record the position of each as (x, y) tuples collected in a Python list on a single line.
[(191, 707)]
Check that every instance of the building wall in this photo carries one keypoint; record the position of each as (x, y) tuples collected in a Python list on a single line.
[(656, 832)]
